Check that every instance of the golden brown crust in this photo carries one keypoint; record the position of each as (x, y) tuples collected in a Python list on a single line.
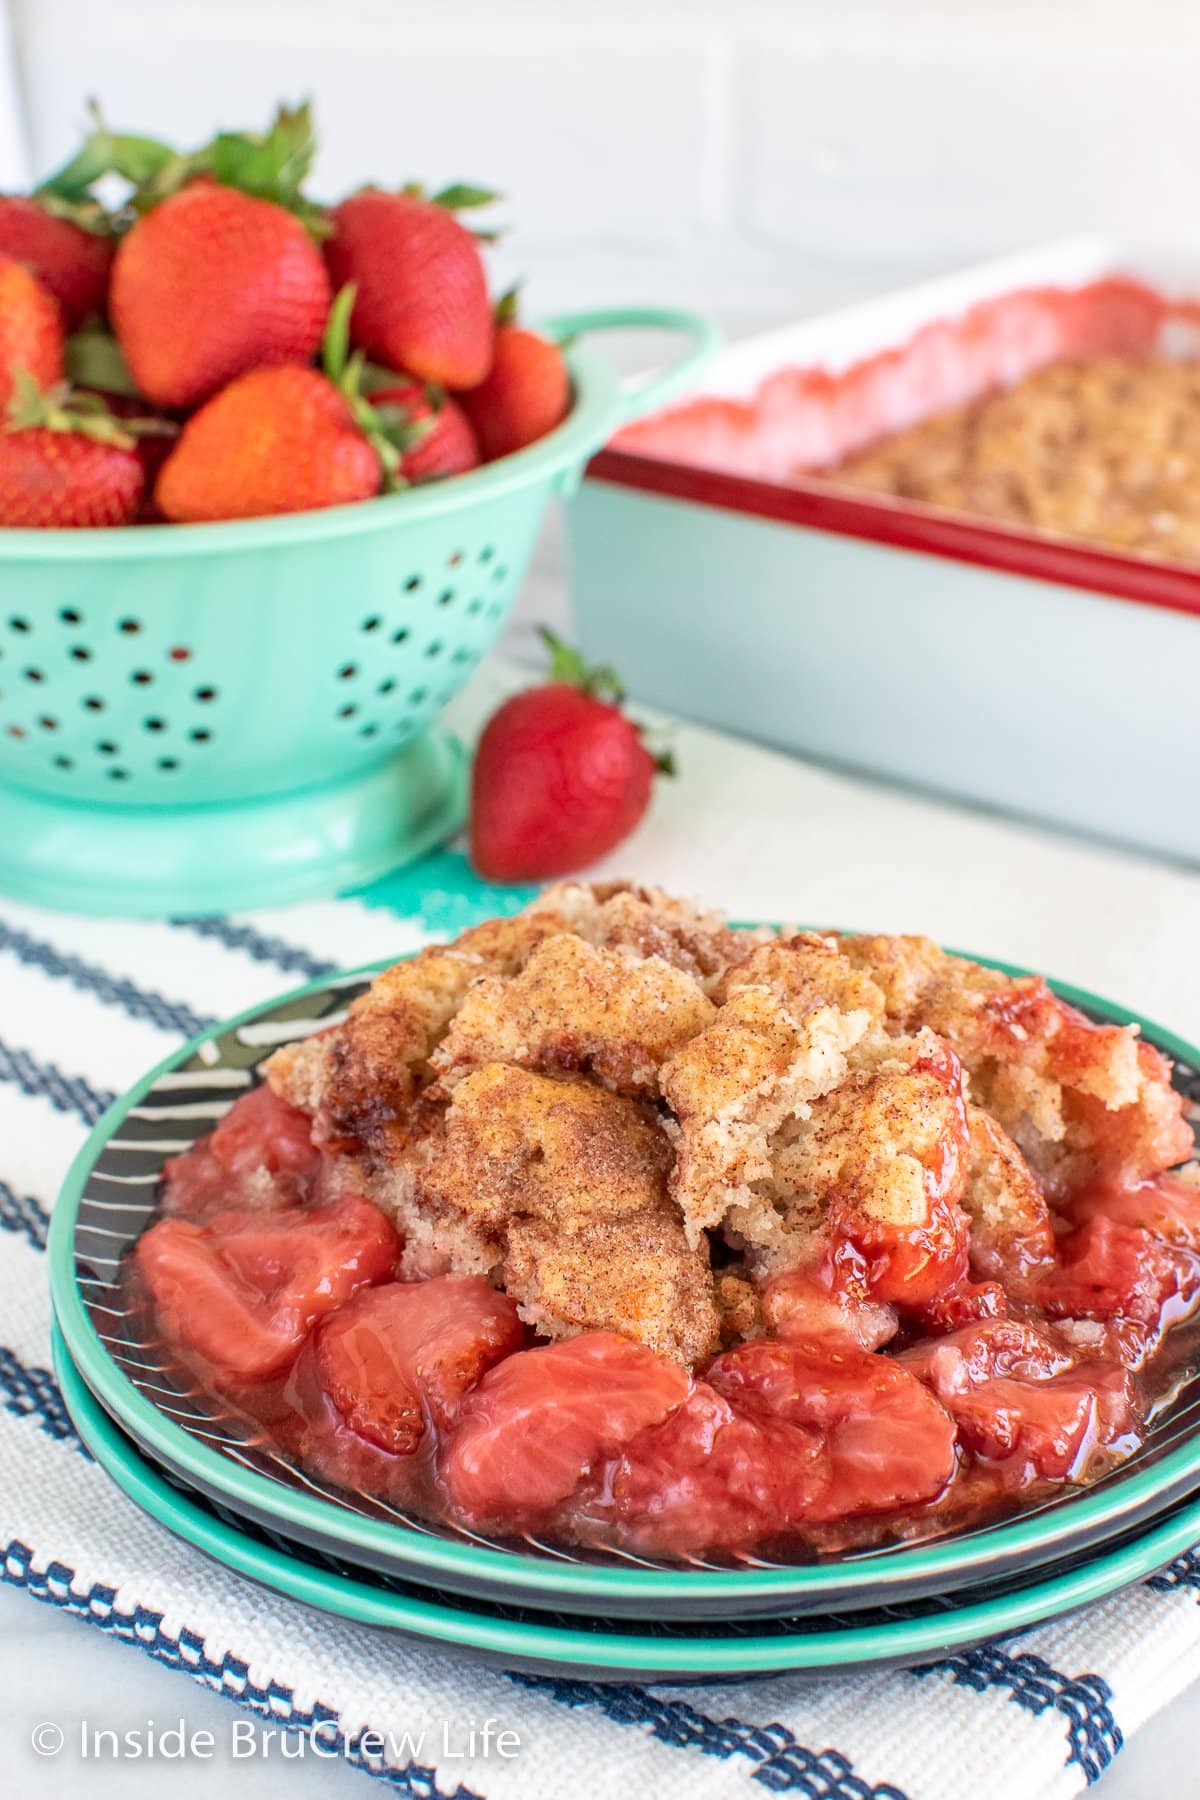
[(575, 1008), (1106, 449)]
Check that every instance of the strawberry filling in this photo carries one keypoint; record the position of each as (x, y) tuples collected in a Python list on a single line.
[(849, 1419)]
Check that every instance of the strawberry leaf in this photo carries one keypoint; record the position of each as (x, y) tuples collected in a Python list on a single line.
[(506, 308), (567, 664), (460, 196)]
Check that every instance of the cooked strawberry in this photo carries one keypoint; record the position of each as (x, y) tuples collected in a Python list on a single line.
[(442, 441), (394, 1354), (422, 301), (261, 1155), (885, 1442), (71, 263), (798, 1305), (1119, 1273), (711, 1477), (31, 333), (243, 1290), (212, 283), (1018, 1397), (274, 441), (561, 776), (525, 394), (1167, 1206), (537, 1423)]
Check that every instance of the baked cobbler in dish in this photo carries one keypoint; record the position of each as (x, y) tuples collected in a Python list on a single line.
[(615, 1225), (1106, 450)]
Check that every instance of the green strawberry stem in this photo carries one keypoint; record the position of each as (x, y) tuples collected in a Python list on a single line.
[(59, 409), (567, 664), (388, 428)]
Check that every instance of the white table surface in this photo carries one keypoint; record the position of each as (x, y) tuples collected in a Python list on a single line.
[(769, 837)]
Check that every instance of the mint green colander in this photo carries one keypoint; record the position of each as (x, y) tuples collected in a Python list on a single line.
[(202, 717)]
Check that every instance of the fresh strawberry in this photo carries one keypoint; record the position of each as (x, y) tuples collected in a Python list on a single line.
[(526, 392), (422, 292), (210, 284), (31, 334), (70, 262), (561, 775), (274, 441), (443, 442), (66, 462)]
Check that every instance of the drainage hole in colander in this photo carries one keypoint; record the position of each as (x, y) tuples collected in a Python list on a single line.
[(386, 687), (347, 712), (453, 560), (487, 553), (154, 724), (130, 626), (16, 731), (412, 584), (106, 747), (33, 675), (367, 731), (204, 694), (19, 625), (418, 696), (500, 573), (141, 678), (70, 616), (47, 723), (180, 653), (400, 636), (463, 655), (446, 596), (495, 610), (347, 672), (371, 624), (80, 653), (434, 647), (167, 763), (63, 762), (118, 774), (93, 703), (475, 607), (200, 736)]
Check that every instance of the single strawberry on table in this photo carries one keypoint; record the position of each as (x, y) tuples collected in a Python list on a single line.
[(223, 274), (561, 775), (66, 461), (71, 260), (422, 302), (31, 333), (526, 392)]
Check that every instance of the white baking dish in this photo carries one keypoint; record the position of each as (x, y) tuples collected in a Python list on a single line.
[(1028, 673)]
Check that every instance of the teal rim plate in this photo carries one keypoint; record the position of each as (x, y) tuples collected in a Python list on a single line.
[(606, 1649), (107, 1200)]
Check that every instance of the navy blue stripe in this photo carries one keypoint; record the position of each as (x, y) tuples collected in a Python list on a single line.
[(33, 1393), (260, 948), (66, 1093), (782, 1763), (1093, 1735), (22, 1214), (1184, 1572), (273, 1700), (113, 990)]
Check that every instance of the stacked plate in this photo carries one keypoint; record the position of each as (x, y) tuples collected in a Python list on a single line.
[(209, 1477)]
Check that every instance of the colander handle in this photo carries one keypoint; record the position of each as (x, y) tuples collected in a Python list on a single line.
[(655, 389)]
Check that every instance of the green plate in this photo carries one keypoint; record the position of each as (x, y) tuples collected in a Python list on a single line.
[(606, 1649), (107, 1200)]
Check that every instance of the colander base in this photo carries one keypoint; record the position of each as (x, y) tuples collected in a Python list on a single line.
[(147, 862)]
